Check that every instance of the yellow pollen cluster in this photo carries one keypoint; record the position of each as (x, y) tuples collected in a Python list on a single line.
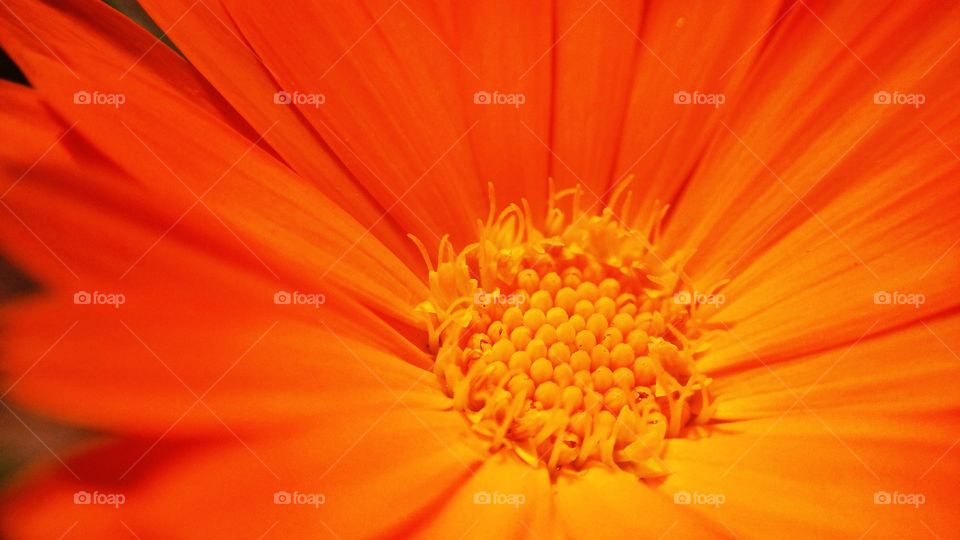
[(568, 345)]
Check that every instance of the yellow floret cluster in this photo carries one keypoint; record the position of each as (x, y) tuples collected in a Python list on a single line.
[(555, 353)]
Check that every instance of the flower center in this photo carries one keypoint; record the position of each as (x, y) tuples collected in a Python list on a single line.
[(571, 345)]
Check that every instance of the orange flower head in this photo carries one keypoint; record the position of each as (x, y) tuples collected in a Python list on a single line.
[(690, 269)]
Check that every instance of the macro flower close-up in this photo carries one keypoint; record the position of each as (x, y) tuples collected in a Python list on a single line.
[(489, 269)]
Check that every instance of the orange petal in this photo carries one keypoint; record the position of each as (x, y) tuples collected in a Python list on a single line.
[(595, 54), (808, 475), (615, 504), (818, 217), (503, 499), (98, 49), (198, 357), (371, 472), (182, 302), (210, 39), (393, 112), (909, 369), (663, 141), (60, 197), (510, 63), (824, 434), (176, 153)]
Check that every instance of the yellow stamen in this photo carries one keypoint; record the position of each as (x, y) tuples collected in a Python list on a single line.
[(566, 344)]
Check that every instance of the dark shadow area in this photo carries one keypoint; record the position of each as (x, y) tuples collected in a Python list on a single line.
[(9, 70)]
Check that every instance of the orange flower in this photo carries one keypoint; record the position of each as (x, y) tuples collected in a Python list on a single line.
[(731, 312)]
